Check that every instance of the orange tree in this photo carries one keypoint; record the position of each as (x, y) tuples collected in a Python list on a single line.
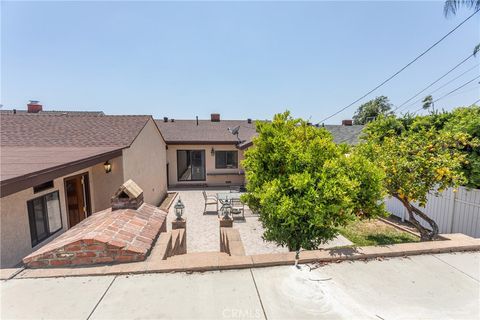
[(416, 160), (305, 186)]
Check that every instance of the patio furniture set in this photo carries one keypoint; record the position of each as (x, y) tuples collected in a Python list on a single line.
[(230, 203)]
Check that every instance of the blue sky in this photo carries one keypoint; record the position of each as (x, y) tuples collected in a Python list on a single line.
[(242, 59)]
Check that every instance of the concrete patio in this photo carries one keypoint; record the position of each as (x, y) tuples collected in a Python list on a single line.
[(203, 230), (440, 286)]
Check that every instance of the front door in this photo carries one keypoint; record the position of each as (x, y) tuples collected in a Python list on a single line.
[(78, 200)]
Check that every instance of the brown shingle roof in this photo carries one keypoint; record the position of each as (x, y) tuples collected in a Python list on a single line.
[(37, 130), (188, 132), (39, 147)]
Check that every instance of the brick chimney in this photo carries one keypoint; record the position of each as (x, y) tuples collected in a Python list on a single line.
[(128, 196), (347, 122), (215, 117), (34, 107)]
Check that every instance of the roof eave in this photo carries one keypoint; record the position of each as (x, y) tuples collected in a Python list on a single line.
[(16, 184)]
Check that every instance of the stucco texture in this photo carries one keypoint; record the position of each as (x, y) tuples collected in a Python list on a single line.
[(145, 163), (214, 177)]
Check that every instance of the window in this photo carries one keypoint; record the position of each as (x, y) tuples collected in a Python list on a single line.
[(191, 165), (226, 159), (44, 217)]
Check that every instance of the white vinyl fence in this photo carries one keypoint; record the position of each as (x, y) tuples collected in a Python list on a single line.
[(454, 212)]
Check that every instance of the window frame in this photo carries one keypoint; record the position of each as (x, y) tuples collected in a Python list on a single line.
[(226, 159), (35, 240)]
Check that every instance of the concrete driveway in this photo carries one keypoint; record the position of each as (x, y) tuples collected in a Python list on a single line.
[(444, 286)]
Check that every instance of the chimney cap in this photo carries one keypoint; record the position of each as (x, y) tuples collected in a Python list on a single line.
[(33, 101), (128, 196), (215, 117)]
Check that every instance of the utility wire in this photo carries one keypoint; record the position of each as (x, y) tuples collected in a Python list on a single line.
[(449, 93), (474, 103), (403, 68), (441, 87), (434, 82)]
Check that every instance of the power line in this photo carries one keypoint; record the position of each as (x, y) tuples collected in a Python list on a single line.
[(474, 103), (434, 82), (449, 93), (404, 67), (441, 87)]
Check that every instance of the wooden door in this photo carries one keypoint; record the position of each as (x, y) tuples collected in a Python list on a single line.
[(76, 189)]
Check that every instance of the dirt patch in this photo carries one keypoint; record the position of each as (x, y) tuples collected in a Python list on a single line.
[(376, 232)]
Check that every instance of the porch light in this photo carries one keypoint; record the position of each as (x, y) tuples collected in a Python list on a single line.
[(212, 152), (179, 207), (108, 167)]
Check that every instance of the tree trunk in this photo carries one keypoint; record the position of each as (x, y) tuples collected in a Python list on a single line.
[(425, 234)]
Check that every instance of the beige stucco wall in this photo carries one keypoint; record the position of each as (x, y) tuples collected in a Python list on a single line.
[(15, 241), (145, 163), (103, 185), (231, 176)]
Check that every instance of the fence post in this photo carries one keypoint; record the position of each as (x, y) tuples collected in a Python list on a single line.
[(452, 208)]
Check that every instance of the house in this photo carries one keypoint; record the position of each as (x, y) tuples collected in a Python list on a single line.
[(209, 152), (59, 167), (205, 152)]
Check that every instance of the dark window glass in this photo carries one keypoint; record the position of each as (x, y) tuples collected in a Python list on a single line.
[(44, 217), (191, 165), (226, 159)]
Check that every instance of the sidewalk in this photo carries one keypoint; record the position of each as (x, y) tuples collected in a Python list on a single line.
[(442, 286)]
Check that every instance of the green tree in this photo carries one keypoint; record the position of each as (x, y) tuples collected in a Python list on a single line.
[(452, 6), (428, 103), (372, 109), (415, 162), (467, 120), (304, 185)]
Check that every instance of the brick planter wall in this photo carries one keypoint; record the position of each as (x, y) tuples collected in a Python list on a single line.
[(123, 235)]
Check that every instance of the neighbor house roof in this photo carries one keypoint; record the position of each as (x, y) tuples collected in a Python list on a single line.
[(211, 132), (206, 131), (91, 113), (39, 147)]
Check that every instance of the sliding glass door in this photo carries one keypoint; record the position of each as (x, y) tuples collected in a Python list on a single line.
[(191, 165)]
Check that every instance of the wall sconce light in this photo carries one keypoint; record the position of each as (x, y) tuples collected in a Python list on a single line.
[(212, 152), (108, 167)]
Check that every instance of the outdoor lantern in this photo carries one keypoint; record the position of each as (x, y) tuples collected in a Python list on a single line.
[(108, 167), (179, 206), (212, 152)]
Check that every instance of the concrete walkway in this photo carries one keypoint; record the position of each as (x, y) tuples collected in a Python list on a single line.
[(443, 286)]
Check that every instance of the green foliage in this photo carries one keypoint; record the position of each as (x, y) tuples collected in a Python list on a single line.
[(304, 185), (423, 154), (465, 120), (380, 106)]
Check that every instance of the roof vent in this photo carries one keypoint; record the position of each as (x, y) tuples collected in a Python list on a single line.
[(249, 120), (165, 119), (215, 117), (172, 120), (347, 122), (128, 196)]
